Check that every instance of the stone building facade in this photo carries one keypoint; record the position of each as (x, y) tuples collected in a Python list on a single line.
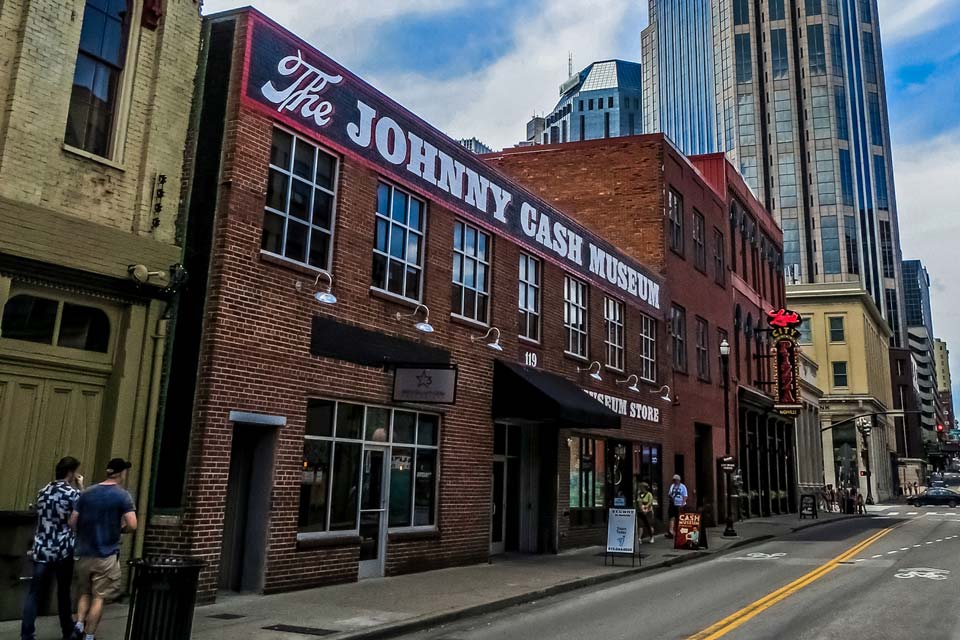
[(94, 107)]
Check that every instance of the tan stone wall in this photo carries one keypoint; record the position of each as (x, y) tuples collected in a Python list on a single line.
[(39, 40)]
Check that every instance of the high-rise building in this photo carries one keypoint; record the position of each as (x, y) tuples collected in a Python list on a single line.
[(799, 104), (473, 145), (679, 97), (916, 295), (602, 101), (941, 358)]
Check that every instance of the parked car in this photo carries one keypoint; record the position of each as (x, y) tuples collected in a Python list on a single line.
[(936, 496)]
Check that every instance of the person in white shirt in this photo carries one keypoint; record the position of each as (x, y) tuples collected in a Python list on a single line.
[(678, 500)]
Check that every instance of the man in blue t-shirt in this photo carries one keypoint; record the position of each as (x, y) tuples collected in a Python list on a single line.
[(103, 513)]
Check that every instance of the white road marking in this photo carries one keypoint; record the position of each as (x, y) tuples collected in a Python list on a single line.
[(889, 552), (911, 513), (939, 539), (894, 513), (904, 548), (929, 543), (923, 572), (877, 556), (916, 545)]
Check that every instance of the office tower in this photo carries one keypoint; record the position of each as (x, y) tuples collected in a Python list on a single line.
[(602, 101), (473, 145), (799, 104), (916, 296)]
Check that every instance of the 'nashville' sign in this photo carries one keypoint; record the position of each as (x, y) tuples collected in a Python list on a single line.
[(300, 86)]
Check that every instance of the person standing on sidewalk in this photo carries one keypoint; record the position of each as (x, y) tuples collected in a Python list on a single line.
[(678, 500), (52, 550), (103, 513), (645, 511)]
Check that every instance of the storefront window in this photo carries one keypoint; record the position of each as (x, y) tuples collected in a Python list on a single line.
[(587, 473), (335, 436), (34, 319)]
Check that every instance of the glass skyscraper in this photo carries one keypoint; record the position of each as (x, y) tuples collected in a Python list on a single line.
[(602, 101), (920, 339), (798, 102)]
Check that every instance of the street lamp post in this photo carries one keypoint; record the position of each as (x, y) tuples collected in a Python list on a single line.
[(728, 530)]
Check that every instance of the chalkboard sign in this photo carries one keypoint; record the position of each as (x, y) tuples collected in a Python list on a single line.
[(808, 506), (690, 535)]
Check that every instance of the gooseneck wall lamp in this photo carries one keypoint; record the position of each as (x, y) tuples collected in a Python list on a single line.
[(631, 382), (665, 393), (593, 374), (423, 326), (493, 344), (326, 296)]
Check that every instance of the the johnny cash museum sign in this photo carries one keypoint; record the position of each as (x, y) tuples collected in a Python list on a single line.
[(292, 82)]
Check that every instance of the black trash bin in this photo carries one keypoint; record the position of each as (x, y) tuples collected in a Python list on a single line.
[(164, 596)]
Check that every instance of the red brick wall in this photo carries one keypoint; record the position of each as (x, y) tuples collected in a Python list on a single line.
[(617, 187), (255, 357)]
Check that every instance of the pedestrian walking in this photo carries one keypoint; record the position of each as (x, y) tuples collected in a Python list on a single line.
[(832, 497), (678, 500), (52, 550), (860, 508), (103, 513), (644, 505)]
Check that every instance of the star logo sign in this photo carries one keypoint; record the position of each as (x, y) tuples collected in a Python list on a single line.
[(424, 379)]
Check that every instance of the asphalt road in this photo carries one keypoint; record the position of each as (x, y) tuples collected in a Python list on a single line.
[(864, 578)]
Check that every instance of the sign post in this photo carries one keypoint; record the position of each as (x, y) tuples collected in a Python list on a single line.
[(690, 534), (621, 535)]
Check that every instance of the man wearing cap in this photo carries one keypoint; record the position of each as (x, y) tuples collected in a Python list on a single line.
[(103, 513)]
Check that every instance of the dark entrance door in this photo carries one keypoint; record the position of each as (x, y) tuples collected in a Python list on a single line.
[(703, 469), (247, 513)]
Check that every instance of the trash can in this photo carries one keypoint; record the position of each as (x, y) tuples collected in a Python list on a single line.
[(164, 596)]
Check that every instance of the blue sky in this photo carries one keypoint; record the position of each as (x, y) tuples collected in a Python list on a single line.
[(483, 67)]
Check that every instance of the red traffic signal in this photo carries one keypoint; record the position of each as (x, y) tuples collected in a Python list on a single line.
[(940, 428)]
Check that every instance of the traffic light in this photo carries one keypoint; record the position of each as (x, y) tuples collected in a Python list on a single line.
[(940, 435)]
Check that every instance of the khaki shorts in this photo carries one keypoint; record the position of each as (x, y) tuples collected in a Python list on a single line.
[(98, 577)]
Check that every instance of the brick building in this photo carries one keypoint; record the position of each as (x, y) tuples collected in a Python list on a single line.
[(696, 223), (92, 133), (394, 341)]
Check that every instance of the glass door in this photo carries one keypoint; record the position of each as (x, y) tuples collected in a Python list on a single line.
[(498, 506), (373, 512)]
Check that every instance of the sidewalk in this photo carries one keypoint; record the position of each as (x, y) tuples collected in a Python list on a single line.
[(385, 607)]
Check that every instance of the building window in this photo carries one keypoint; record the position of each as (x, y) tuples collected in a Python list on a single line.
[(846, 178), (699, 243), (886, 249), (814, 7), (471, 272), (678, 335), (96, 77), (853, 250), (869, 58), (865, 12), (587, 473), (648, 348), (777, 11), (876, 124), (839, 374), (609, 102), (529, 301), (830, 244), (806, 336), (719, 263), (779, 53), (575, 316), (836, 50), (744, 58), (606, 124), (590, 104), (880, 176), (399, 245), (741, 12), (335, 437), (837, 333), (815, 46), (55, 322), (703, 349), (840, 98), (613, 324), (298, 221), (675, 211)]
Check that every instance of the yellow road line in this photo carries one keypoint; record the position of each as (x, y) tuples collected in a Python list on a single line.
[(754, 609)]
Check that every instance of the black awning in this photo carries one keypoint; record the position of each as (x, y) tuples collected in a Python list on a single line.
[(333, 339), (522, 395)]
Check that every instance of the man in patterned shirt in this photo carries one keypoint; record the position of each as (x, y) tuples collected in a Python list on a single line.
[(53, 547)]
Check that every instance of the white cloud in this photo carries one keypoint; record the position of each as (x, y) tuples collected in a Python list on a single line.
[(926, 173), (494, 102), (903, 20)]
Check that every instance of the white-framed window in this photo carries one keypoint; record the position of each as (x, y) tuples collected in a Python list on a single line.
[(703, 349), (648, 348), (529, 300), (699, 242), (301, 193), (575, 316), (613, 323), (471, 272), (335, 437), (399, 242), (97, 76), (678, 331), (675, 211)]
